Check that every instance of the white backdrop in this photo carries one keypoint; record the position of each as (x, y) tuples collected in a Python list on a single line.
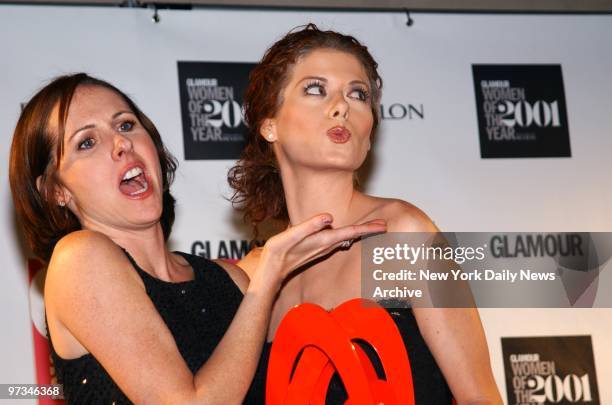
[(432, 162)]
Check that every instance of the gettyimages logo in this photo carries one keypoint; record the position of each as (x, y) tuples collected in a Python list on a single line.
[(521, 111), (550, 370), (211, 108)]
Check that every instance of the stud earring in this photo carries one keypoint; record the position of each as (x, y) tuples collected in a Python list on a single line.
[(270, 136), (61, 203)]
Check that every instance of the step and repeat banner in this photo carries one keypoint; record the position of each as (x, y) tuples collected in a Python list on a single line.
[(490, 123)]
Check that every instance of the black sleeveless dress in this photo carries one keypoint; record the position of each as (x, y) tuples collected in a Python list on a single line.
[(430, 387), (197, 312)]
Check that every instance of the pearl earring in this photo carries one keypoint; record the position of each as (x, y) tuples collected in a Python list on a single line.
[(61, 204)]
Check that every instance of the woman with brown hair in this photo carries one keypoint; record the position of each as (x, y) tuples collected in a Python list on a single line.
[(312, 107), (128, 320)]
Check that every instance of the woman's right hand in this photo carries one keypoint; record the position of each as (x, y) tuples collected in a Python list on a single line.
[(309, 240)]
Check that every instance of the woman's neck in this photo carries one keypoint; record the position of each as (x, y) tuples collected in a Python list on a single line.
[(311, 192), (148, 248)]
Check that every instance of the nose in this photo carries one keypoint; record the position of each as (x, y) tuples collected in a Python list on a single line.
[(339, 107), (122, 144)]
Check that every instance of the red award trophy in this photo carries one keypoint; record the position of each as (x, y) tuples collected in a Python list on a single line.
[(326, 341)]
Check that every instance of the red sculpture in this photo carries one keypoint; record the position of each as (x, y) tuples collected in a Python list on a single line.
[(326, 341)]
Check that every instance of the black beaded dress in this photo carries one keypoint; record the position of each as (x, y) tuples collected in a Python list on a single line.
[(430, 387), (197, 312)]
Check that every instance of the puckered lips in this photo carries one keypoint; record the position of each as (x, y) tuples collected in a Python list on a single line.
[(339, 134), (134, 183)]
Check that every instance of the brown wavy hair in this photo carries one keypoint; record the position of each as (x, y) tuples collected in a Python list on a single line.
[(36, 151), (255, 179)]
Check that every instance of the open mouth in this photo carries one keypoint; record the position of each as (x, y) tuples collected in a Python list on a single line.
[(134, 182)]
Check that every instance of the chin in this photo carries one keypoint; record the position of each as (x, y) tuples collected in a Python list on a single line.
[(344, 162), (326, 160), (150, 214)]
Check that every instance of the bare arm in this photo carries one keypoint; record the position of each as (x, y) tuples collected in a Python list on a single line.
[(454, 336), (93, 293), (457, 342)]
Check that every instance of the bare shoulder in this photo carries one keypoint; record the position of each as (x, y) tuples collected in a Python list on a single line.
[(249, 262), (84, 260), (84, 249), (403, 216), (236, 273)]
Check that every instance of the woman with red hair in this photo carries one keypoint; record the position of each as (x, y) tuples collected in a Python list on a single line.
[(312, 107)]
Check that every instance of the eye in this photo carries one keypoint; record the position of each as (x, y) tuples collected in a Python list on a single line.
[(126, 126), (360, 94), (315, 88), (87, 144)]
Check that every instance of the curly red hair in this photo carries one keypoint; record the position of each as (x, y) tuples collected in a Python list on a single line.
[(255, 179)]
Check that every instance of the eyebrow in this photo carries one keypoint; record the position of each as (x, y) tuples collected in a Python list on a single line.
[(322, 79), (89, 126), (360, 82), (317, 78)]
